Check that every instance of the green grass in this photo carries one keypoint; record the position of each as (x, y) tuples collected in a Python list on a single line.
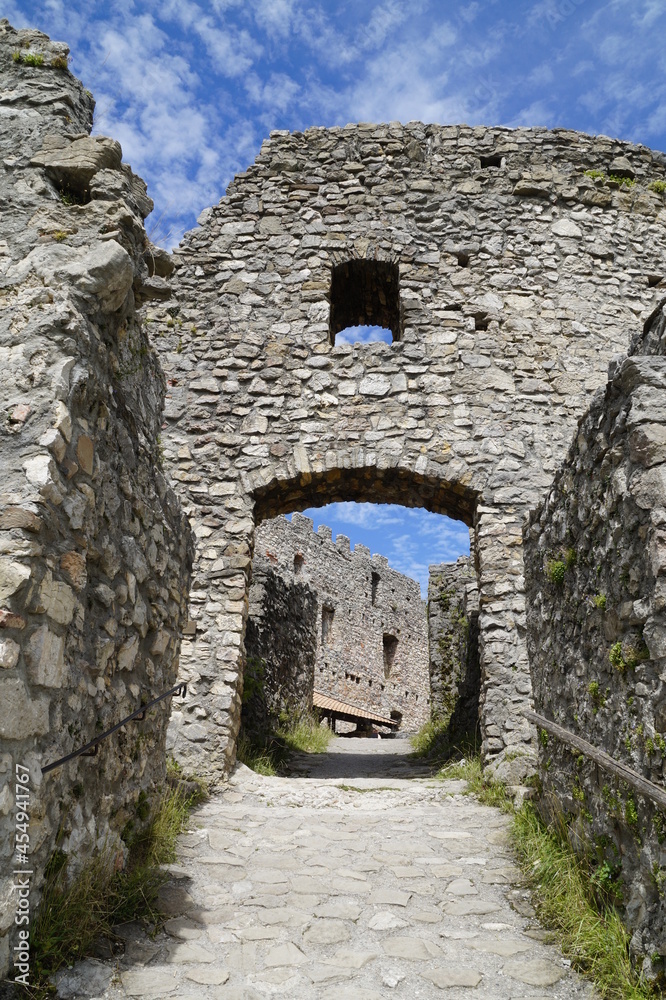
[(305, 735), (433, 743), (262, 759), (79, 906), (480, 783), (573, 895), (270, 755), (429, 737), (565, 895)]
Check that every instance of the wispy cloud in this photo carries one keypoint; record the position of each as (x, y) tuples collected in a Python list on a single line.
[(412, 539), (191, 87), (364, 335)]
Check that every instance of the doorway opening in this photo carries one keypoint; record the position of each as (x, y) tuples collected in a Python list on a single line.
[(367, 665)]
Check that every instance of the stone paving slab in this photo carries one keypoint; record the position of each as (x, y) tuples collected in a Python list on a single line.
[(309, 888)]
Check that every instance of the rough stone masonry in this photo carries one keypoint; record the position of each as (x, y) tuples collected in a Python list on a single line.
[(372, 636), (94, 551), (596, 575), (510, 266)]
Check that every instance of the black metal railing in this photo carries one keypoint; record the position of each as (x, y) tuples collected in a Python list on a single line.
[(90, 749)]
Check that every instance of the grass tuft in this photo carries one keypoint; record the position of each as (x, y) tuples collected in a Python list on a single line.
[(305, 735), (270, 755), (480, 782), (565, 896), (429, 737), (80, 905), (261, 759)]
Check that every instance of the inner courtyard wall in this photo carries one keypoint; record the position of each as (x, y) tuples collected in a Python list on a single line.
[(523, 258), (453, 641), (372, 636), (281, 647), (596, 582)]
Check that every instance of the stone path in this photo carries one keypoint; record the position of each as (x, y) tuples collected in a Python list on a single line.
[(365, 880)]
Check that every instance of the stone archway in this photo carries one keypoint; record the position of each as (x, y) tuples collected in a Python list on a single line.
[(516, 286), (216, 679)]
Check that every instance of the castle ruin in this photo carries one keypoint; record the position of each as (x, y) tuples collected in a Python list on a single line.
[(511, 266)]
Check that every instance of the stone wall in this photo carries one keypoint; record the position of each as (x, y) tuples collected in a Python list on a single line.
[(281, 646), (95, 552), (453, 642), (372, 640), (514, 277), (596, 586)]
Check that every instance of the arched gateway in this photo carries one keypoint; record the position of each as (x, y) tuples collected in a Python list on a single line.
[(509, 265)]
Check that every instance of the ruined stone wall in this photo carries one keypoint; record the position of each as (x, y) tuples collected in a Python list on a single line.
[(510, 276), (453, 644), (281, 647), (595, 560), (94, 550), (372, 640)]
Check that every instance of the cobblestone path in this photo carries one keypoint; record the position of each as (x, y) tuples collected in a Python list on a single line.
[(366, 879)]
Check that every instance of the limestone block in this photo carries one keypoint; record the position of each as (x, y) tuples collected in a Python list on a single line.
[(73, 565), (374, 385), (85, 453), (9, 653), (649, 487), (21, 716), (54, 441), (128, 653), (41, 471), (63, 420), (103, 269), (56, 599), (12, 577), (73, 166), (566, 227), (45, 656)]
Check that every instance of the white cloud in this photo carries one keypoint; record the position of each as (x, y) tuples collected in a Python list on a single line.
[(364, 335)]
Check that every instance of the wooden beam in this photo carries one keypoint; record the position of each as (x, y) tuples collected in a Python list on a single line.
[(644, 787)]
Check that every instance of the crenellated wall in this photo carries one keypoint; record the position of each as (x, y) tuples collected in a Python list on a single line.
[(94, 550), (371, 631)]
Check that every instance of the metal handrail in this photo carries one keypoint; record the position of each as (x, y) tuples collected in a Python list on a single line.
[(615, 767), (90, 749)]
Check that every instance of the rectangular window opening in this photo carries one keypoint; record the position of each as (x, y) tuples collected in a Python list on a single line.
[(365, 302)]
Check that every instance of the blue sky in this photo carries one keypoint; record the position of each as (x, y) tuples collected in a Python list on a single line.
[(191, 88)]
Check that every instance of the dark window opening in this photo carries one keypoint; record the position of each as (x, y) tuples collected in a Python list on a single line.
[(326, 625), (390, 645), (491, 161), (375, 587), (365, 294), (463, 259), (298, 565), (654, 279), (396, 716), (481, 322)]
